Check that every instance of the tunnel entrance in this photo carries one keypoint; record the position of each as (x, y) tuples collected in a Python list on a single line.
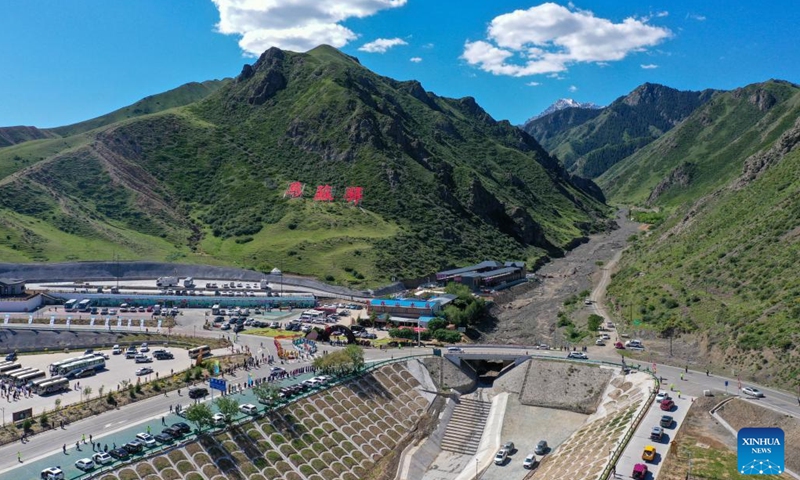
[(489, 370)]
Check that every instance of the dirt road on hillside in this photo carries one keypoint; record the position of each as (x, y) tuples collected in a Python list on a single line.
[(530, 318)]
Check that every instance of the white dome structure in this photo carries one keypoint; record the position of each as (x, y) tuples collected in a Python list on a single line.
[(275, 271)]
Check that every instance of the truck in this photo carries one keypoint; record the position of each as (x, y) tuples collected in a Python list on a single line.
[(167, 282), (265, 285), (188, 282)]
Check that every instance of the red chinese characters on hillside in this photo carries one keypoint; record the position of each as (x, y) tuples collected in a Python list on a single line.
[(353, 195), (324, 193), (295, 190)]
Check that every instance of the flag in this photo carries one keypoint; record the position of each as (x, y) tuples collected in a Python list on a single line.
[(738, 379), (52, 320), (6, 320), (159, 323), (91, 323), (216, 367)]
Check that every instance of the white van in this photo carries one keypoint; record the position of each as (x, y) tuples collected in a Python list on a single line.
[(455, 350)]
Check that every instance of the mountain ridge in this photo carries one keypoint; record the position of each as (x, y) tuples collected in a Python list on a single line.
[(444, 182), (564, 103)]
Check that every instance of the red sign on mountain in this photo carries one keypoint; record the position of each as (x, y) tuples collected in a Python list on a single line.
[(295, 190), (353, 194), (324, 193)]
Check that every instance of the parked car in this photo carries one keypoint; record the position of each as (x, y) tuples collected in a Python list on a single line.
[(578, 355), (134, 447), (667, 405), (198, 392), (639, 471), (11, 357), (86, 372), (84, 464), (144, 348), (143, 359), (649, 453), (529, 462), (116, 350), (509, 447), (173, 432), (52, 473), (144, 371), (163, 355), (666, 421), (183, 427), (218, 419), (753, 392), (248, 408), (102, 458), (164, 438), (541, 448), (656, 433), (600, 342), (119, 453), (661, 396), (146, 439), (500, 457)]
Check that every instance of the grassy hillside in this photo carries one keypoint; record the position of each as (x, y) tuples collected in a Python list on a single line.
[(589, 142), (444, 183), (724, 268), (707, 150), (14, 135), (177, 97)]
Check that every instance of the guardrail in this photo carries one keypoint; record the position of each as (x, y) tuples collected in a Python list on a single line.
[(243, 419)]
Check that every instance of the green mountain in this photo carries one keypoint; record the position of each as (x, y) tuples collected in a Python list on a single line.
[(443, 182), (721, 263), (591, 141), (14, 135), (177, 97)]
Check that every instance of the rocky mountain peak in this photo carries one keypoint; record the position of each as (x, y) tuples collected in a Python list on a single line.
[(563, 103)]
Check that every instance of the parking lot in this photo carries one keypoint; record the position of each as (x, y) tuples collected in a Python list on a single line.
[(641, 438), (118, 368)]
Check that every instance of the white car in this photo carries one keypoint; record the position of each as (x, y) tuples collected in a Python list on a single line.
[(116, 350), (501, 457), (600, 342), (146, 439), (578, 355), (529, 462), (661, 396), (144, 348), (218, 419), (248, 408), (52, 473), (102, 458), (84, 464), (753, 392), (144, 371)]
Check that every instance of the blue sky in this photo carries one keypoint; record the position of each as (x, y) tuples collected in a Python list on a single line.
[(66, 61)]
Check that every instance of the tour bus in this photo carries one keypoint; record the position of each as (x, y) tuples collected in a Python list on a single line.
[(54, 366), (83, 305), (202, 351), (34, 384), (7, 367), (215, 309), (14, 373), (53, 385), (24, 379), (70, 369), (70, 305)]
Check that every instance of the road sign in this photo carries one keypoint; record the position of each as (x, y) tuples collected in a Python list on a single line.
[(218, 384)]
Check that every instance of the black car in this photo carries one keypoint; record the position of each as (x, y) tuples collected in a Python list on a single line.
[(198, 392), (173, 432), (11, 357), (184, 428), (238, 328), (119, 453), (133, 447), (164, 355), (164, 438)]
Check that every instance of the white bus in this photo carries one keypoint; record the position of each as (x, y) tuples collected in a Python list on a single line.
[(8, 366), (69, 306), (12, 374), (70, 369), (203, 351), (215, 309), (54, 384), (54, 366), (25, 378), (83, 305), (34, 384)]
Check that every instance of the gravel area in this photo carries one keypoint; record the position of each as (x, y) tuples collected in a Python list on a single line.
[(530, 318), (565, 385)]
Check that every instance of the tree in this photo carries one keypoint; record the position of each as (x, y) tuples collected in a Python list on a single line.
[(356, 356), (200, 415), (437, 324), (227, 406), (58, 403), (86, 392), (267, 393), (594, 322), (100, 391)]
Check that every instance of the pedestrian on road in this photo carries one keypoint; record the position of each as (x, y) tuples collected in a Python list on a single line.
[(105, 448), (706, 372), (83, 438), (78, 446), (90, 438), (681, 376), (19, 457), (687, 369), (62, 424), (64, 449), (170, 408), (162, 421)]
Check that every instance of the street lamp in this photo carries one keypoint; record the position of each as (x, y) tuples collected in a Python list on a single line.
[(476, 468)]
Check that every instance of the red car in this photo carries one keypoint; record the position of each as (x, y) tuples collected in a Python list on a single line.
[(619, 346), (667, 405)]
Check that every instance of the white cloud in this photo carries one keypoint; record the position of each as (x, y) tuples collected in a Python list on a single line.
[(415, 59), (649, 66), (298, 25), (662, 14), (428, 45), (694, 16), (533, 84), (550, 38), (573, 88), (381, 45)]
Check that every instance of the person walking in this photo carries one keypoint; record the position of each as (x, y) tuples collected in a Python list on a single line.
[(78, 446), (707, 372), (19, 457), (686, 369)]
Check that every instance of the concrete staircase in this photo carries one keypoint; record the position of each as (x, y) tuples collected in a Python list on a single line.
[(464, 431)]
